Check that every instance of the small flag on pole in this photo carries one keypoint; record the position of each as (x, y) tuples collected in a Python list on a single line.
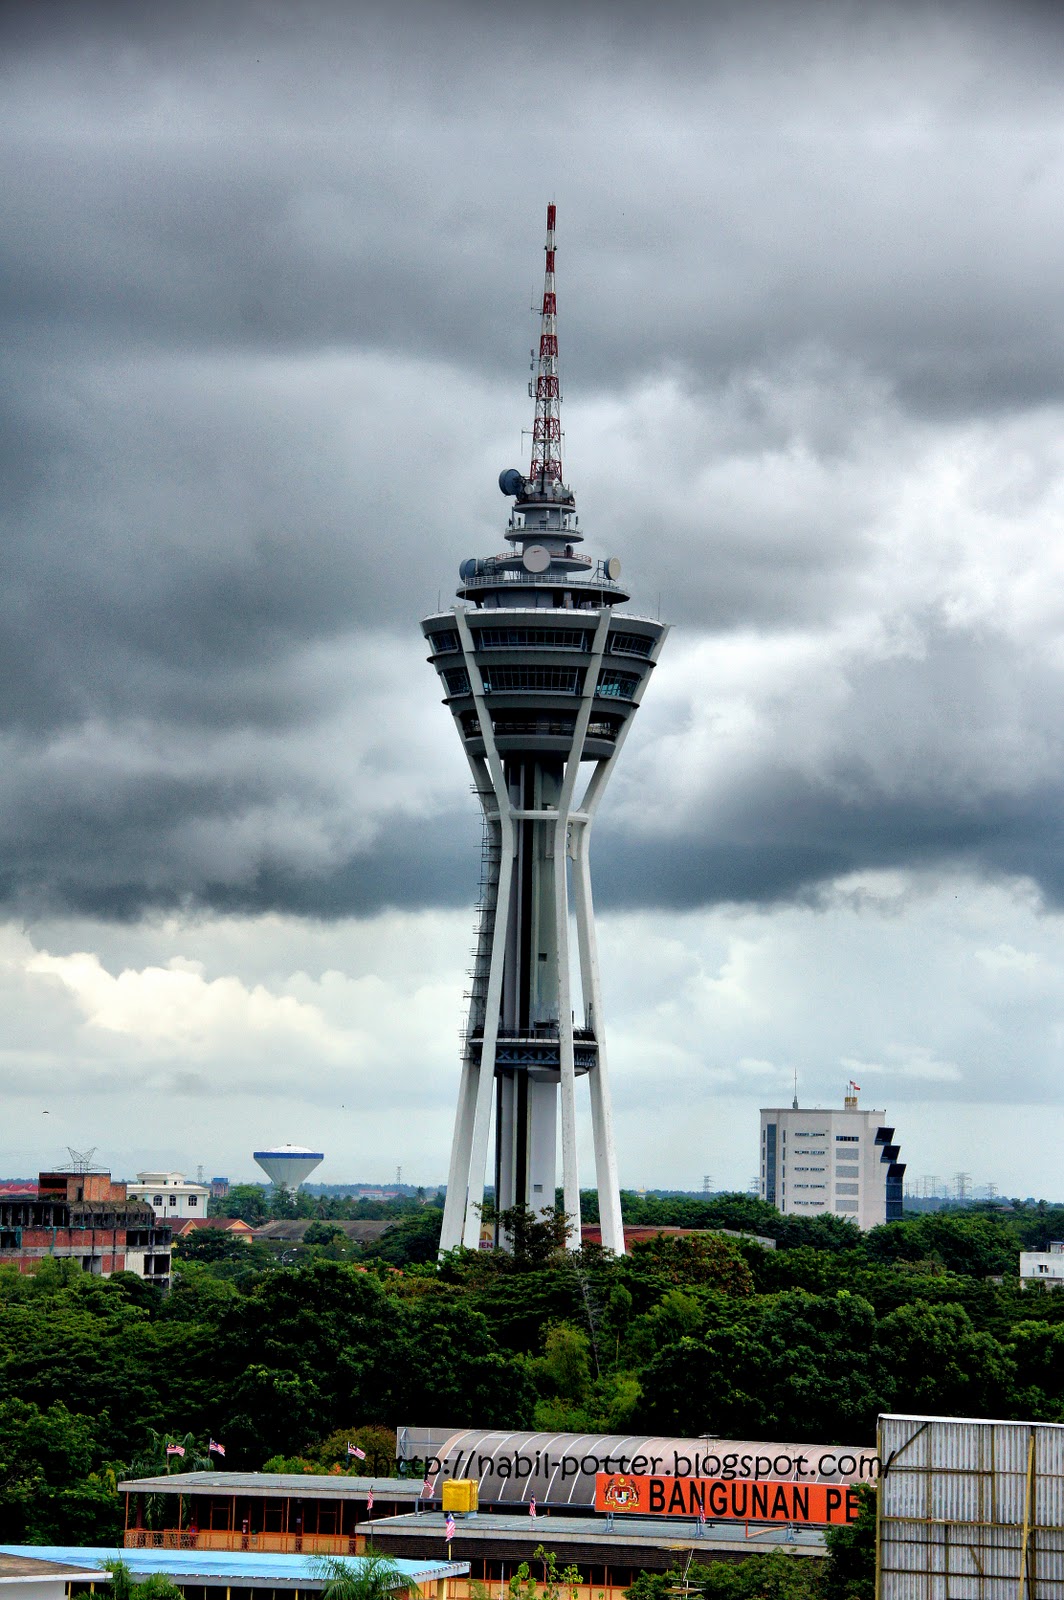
[(701, 1516), (353, 1450), (215, 1449), (175, 1449), (448, 1528), (369, 1501), (532, 1508), (426, 1490)]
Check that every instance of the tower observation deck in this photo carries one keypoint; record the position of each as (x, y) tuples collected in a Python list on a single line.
[(542, 673)]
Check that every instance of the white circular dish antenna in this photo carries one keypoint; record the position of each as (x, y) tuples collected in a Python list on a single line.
[(613, 568), (535, 558)]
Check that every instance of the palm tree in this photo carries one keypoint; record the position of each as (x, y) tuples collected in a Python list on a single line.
[(125, 1587), (375, 1577), (154, 1460)]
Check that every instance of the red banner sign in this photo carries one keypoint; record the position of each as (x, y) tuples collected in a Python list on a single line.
[(727, 1499)]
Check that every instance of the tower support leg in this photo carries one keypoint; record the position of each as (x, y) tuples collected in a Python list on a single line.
[(478, 1156), (454, 1206), (566, 1050), (609, 1193)]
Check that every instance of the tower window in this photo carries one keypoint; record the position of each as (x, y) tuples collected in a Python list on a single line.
[(530, 680), (531, 639), (630, 644), (617, 685)]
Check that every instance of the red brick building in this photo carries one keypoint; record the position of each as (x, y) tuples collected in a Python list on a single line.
[(87, 1218)]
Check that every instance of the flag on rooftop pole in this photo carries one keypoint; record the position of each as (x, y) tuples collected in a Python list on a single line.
[(426, 1489), (353, 1450), (175, 1449), (448, 1527), (369, 1501), (532, 1509), (215, 1449)]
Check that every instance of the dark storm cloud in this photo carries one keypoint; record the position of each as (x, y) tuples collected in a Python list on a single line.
[(264, 324), (951, 758), (732, 185)]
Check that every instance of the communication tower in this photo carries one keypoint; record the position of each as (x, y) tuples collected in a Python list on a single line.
[(81, 1160), (542, 674)]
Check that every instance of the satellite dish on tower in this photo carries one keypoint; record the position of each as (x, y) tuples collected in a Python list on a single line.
[(512, 481), (613, 568), (535, 558)]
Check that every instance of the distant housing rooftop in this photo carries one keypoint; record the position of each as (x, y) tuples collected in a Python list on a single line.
[(641, 1232), (292, 1232)]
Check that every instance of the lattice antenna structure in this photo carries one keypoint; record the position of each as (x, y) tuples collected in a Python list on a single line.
[(545, 477), (81, 1160)]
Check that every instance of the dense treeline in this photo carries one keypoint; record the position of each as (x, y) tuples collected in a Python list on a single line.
[(687, 1335), (255, 1204)]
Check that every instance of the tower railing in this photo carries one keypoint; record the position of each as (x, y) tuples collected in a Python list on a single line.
[(550, 580)]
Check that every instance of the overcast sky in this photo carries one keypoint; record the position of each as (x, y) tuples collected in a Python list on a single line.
[(267, 270)]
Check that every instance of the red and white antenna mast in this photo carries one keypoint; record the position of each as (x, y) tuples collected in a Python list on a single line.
[(546, 475)]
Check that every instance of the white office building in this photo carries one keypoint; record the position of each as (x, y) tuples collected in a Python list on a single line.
[(1043, 1266), (844, 1162), (170, 1194)]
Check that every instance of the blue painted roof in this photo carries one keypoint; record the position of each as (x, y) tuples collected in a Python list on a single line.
[(232, 1567)]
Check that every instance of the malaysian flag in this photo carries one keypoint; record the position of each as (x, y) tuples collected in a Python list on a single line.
[(353, 1450), (369, 1501), (532, 1508), (426, 1489), (175, 1449), (448, 1528), (702, 1509), (214, 1448)]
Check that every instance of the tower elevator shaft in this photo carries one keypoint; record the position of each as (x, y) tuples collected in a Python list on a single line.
[(526, 1104)]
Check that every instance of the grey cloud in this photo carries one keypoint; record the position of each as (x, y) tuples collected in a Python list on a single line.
[(951, 759), (266, 336), (733, 187)]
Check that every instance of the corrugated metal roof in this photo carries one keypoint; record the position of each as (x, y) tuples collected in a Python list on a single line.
[(659, 1532), (559, 1468), (300, 1485), (971, 1509), (240, 1569)]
